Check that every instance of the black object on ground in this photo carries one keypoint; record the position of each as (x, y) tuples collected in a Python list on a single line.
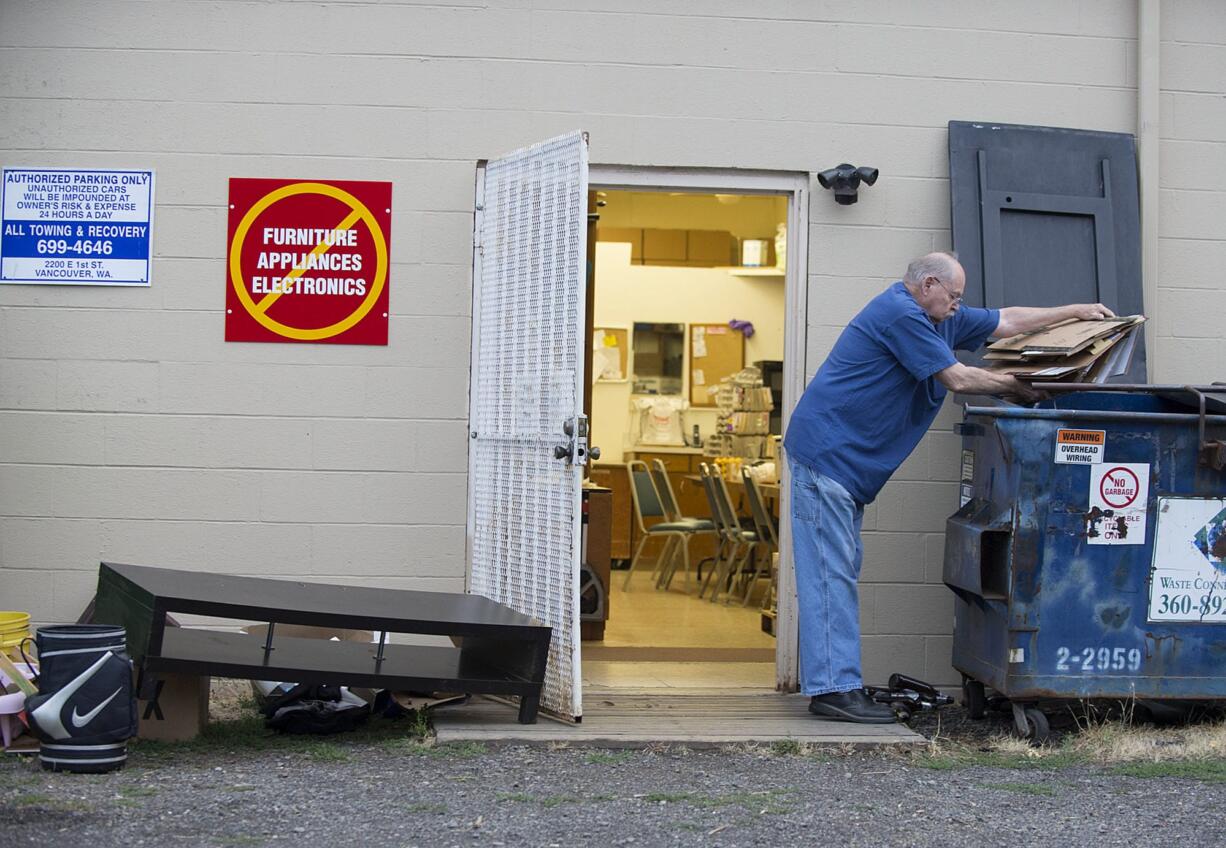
[(500, 651), (85, 709), (907, 696)]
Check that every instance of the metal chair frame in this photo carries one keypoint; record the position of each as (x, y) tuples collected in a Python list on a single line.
[(673, 514), (739, 541), (768, 538), (648, 504)]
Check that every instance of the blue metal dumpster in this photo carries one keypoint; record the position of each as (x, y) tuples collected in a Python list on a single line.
[(1088, 558)]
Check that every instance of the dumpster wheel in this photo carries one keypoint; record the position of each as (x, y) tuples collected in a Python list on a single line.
[(1030, 723), (974, 698)]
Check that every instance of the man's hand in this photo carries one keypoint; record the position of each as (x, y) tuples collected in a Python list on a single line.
[(1022, 390), (1023, 319), (1091, 311)]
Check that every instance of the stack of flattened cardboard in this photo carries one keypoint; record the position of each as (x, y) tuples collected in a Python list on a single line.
[(1073, 351)]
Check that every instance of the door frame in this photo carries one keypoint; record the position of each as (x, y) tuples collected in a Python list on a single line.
[(794, 185)]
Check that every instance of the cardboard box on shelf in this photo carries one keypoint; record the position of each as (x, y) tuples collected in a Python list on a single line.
[(632, 235), (755, 253), (664, 246), (709, 248)]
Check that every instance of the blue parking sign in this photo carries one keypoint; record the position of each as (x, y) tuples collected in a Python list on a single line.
[(76, 227)]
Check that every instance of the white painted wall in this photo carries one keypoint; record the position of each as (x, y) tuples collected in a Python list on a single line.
[(627, 293), (130, 430)]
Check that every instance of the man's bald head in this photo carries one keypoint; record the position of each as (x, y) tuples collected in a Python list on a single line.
[(944, 266), (937, 282)]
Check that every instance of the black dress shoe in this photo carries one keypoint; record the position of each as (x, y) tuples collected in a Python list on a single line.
[(851, 706)]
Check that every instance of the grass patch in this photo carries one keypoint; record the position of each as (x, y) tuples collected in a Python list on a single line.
[(1194, 751), (1002, 752), (454, 750), (1207, 771), (137, 791), (789, 748), (667, 797), (951, 758), (558, 800), (38, 801), (247, 734), (765, 801), (608, 758), (1023, 788), (550, 801)]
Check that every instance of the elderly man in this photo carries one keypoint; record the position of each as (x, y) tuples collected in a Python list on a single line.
[(869, 405)]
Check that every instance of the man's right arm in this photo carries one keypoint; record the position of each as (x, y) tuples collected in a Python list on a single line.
[(966, 379)]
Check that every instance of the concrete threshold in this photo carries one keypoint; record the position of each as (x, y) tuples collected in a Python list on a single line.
[(694, 719)]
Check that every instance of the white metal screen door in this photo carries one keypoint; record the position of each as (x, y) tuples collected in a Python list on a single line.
[(528, 436)]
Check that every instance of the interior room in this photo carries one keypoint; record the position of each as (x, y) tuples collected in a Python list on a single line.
[(687, 364)]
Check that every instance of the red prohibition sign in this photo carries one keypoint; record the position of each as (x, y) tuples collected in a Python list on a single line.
[(1116, 499)]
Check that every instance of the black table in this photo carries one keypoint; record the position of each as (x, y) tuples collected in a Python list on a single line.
[(499, 651)]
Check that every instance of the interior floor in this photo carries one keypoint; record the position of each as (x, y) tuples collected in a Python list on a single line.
[(671, 639)]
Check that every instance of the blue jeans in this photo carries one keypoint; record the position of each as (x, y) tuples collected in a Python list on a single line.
[(827, 550)]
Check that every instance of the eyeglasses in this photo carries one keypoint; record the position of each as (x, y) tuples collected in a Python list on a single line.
[(954, 299)]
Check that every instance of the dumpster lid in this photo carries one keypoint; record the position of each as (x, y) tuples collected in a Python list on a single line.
[(1213, 395)]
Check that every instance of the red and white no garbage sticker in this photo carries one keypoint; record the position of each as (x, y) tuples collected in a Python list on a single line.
[(1119, 497)]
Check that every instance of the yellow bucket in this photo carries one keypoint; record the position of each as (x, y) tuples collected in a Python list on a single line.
[(14, 626)]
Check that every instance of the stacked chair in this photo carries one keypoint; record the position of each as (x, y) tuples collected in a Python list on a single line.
[(676, 530), (747, 544), (768, 538), (736, 542), (702, 526)]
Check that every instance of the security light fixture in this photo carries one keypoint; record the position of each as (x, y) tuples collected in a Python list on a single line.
[(845, 179)]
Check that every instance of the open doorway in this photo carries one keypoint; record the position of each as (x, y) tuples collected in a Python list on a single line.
[(689, 317)]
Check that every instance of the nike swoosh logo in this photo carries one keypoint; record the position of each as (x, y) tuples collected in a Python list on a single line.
[(47, 714), (80, 721)]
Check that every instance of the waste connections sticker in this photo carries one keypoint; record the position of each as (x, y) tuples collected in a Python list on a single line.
[(1119, 494), (1080, 447), (1189, 567)]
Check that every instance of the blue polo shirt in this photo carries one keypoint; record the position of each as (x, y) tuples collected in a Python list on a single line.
[(876, 394)]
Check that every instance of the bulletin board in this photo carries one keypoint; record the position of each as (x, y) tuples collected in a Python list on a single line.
[(716, 351), (622, 336)]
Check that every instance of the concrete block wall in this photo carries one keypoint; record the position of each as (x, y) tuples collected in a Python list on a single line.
[(130, 430), (1191, 334)]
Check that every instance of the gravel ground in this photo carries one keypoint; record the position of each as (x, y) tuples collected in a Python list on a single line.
[(381, 787)]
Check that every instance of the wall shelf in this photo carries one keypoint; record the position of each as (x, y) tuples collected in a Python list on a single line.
[(756, 272)]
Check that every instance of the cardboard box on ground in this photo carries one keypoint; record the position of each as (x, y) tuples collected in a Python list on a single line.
[(181, 711)]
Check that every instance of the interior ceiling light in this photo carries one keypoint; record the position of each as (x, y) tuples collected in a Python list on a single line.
[(728, 199)]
